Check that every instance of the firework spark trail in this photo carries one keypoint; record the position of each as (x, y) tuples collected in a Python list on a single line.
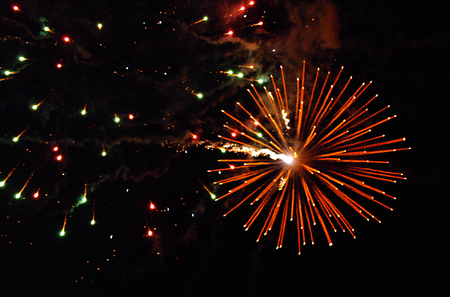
[(328, 147)]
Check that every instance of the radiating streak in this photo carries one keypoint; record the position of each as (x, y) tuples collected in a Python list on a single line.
[(264, 129), (354, 144), (284, 88), (310, 100), (247, 183), (26, 183), (9, 175), (312, 123), (241, 176), (323, 109), (365, 120), (207, 190)]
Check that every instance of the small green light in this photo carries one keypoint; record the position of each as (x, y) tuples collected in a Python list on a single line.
[(34, 107), (260, 81), (2, 184), (223, 150), (259, 134), (83, 112), (16, 139), (7, 72), (200, 96), (46, 29), (213, 196), (241, 75), (21, 58), (205, 18), (103, 153), (93, 222), (116, 119), (17, 196), (230, 72), (62, 233)]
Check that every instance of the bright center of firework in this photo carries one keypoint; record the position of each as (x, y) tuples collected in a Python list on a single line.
[(287, 159)]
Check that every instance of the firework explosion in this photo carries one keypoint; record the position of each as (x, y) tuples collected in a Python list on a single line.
[(306, 153)]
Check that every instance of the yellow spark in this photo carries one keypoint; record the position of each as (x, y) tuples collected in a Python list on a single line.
[(15, 139), (204, 19), (3, 182), (210, 193)]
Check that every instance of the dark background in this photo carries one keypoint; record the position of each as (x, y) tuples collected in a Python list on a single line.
[(401, 46)]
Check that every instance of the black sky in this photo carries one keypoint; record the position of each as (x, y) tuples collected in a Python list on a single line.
[(401, 46)]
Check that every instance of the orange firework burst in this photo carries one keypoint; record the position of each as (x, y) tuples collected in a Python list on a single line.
[(305, 155)]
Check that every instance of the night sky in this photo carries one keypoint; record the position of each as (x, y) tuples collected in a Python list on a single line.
[(129, 107)]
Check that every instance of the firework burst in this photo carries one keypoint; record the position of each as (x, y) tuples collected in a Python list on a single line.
[(305, 155)]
